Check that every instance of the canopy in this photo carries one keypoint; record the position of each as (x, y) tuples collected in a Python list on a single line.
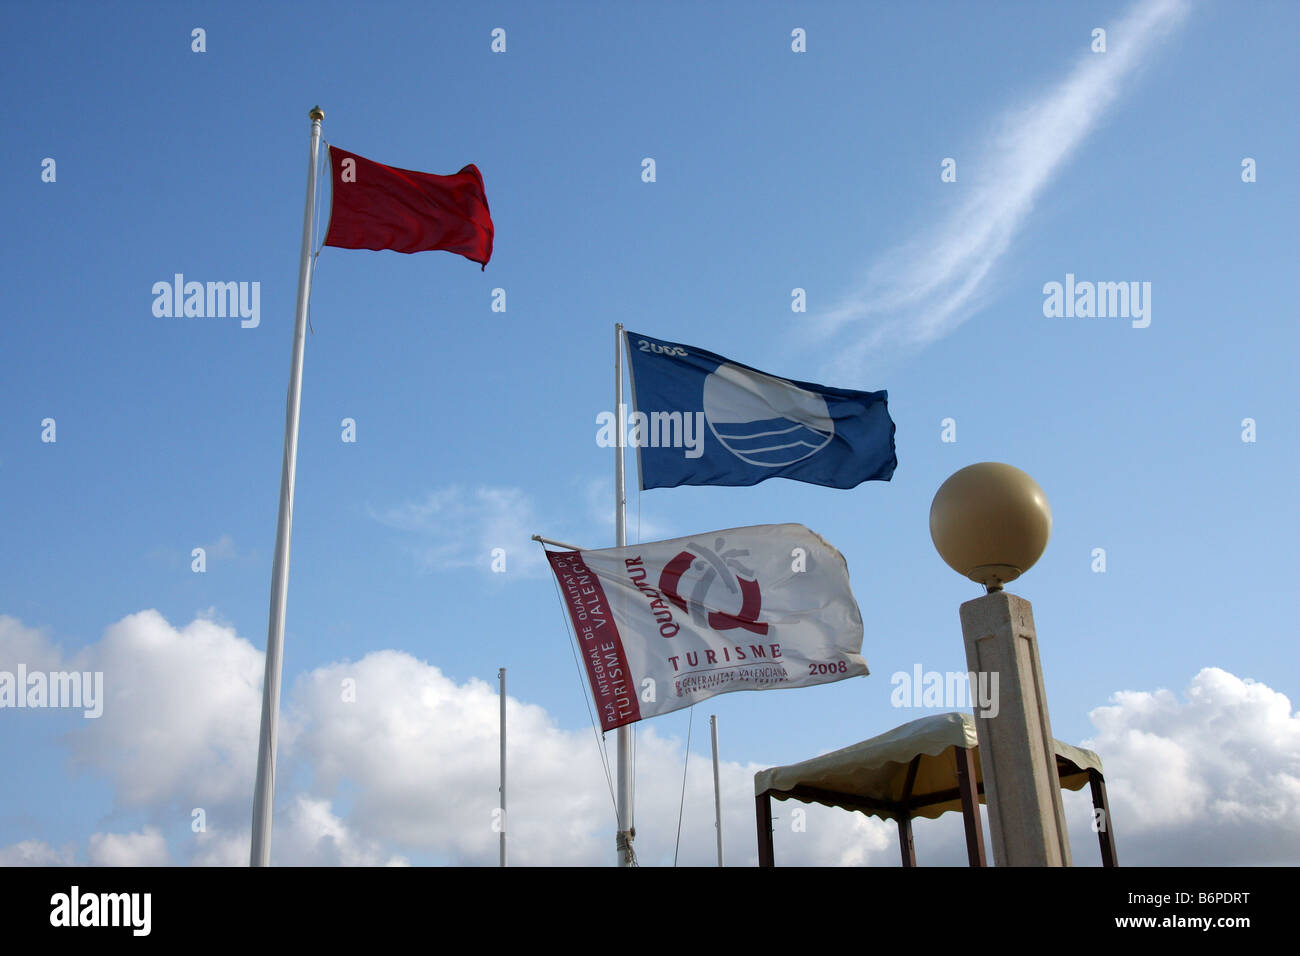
[(872, 776)]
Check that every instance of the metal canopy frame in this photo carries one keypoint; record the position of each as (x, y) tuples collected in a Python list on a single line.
[(968, 789)]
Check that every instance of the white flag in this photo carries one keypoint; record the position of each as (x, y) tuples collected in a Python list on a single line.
[(665, 624)]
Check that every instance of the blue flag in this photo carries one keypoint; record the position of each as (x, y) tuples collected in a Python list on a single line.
[(701, 419)]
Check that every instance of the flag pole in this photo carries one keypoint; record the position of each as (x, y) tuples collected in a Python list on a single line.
[(558, 544), (501, 673), (264, 791), (717, 792), (626, 833)]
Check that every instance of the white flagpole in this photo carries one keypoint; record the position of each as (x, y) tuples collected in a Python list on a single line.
[(264, 791), (501, 673), (717, 792), (626, 832)]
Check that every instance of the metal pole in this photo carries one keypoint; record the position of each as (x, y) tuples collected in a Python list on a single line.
[(558, 544), (501, 675), (264, 791), (717, 792), (626, 833)]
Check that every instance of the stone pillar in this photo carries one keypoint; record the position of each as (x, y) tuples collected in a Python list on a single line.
[(1018, 760)]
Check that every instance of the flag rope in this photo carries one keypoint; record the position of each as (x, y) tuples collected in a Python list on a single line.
[(315, 258), (600, 738), (634, 727), (631, 847)]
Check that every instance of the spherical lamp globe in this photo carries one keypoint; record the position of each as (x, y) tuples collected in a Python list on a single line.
[(990, 522)]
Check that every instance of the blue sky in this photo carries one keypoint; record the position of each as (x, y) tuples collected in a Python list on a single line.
[(775, 170)]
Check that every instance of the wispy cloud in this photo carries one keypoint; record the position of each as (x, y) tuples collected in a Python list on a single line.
[(933, 281), (460, 528), (223, 548)]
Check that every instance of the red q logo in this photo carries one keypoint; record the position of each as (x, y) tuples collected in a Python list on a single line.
[(714, 565)]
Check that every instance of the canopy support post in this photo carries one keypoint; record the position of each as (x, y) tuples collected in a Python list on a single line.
[(763, 814), (970, 806), (1105, 835), (905, 840), (905, 843)]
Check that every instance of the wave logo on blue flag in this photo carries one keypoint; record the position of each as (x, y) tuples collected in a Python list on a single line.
[(701, 419), (764, 420)]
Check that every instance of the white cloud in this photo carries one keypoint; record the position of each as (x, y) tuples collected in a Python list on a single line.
[(424, 751), (228, 848), (35, 853), (414, 759), (931, 283), (222, 549), (1214, 779), (314, 836), (27, 646), (408, 769), (146, 848), (181, 713)]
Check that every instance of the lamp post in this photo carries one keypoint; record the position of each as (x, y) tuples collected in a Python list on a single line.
[(991, 522)]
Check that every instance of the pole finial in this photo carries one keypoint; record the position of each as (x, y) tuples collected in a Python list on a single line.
[(316, 113)]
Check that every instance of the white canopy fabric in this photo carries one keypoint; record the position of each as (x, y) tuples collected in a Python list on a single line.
[(871, 776)]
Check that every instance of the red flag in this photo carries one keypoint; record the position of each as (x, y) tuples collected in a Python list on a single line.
[(382, 207)]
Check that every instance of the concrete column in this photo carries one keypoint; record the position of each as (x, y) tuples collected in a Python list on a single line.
[(1021, 786)]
